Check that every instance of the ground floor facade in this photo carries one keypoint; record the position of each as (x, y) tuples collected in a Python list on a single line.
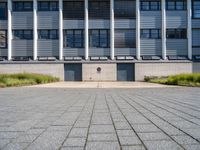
[(102, 71)]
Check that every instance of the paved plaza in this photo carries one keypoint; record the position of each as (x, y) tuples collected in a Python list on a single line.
[(38, 118)]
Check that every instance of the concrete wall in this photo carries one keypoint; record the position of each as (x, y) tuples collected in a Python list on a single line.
[(160, 69), (108, 72), (196, 67), (56, 70)]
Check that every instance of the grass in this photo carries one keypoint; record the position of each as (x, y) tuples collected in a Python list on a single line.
[(192, 80), (22, 79)]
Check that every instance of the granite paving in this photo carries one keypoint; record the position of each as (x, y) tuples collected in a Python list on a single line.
[(38, 118)]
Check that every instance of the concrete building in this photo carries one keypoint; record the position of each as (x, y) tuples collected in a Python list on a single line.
[(113, 40)]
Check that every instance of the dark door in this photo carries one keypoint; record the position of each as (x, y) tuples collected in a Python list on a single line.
[(125, 72), (73, 72)]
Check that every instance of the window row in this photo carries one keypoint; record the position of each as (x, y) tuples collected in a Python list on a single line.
[(99, 38), (100, 9)]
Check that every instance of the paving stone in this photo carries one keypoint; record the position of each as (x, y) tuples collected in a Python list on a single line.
[(122, 126), (72, 148), (162, 145), (145, 128), (48, 140), (130, 140), (78, 132), (153, 136), (15, 146), (136, 147), (126, 133), (101, 129), (75, 142), (102, 146), (184, 140), (102, 137)]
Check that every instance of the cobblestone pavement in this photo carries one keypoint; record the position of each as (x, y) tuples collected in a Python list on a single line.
[(100, 119)]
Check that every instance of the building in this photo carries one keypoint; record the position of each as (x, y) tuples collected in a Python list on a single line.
[(113, 40)]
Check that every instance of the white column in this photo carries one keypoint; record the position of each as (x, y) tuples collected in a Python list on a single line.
[(86, 31), (35, 32), (189, 29), (164, 53), (138, 29), (60, 29), (112, 31), (9, 29)]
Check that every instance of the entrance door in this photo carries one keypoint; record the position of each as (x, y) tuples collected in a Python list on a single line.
[(125, 72), (73, 72)]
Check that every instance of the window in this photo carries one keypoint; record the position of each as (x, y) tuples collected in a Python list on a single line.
[(176, 33), (99, 9), (150, 5), (125, 38), (74, 38), (100, 38), (125, 9), (3, 39), (176, 5), (22, 6), (196, 38), (48, 34), (73, 10), (47, 6), (151, 33), (196, 9), (23, 34), (3, 11)]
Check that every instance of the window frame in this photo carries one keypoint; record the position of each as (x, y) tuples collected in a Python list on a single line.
[(126, 16), (193, 10), (150, 5), (6, 37), (5, 17), (48, 35), (15, 9), (99, 38), (65, 43), (125, 43), (99, 13), (49, 8), (177, 33), (184, 2), (79, 13), (150, 34), (22, 35)]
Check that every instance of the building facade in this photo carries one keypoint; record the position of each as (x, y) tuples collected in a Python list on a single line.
[(113, 40)]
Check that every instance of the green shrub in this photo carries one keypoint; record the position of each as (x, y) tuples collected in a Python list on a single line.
[(9, 80), (181, 79)]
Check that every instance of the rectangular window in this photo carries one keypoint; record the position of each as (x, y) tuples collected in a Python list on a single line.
[(74, 38), (73, 10), (23, 34), (196, 38), (125, 38), (48, 34), (99, 9), (176, 4), (47, 6), (176, 33), (22, 6), (3, 11), (125, 9), (100, 38), (196, 9), (150, 5), (150, 33), (3, 39)]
